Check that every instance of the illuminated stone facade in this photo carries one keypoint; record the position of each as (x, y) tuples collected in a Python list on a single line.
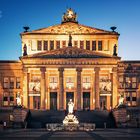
[(69, 61)]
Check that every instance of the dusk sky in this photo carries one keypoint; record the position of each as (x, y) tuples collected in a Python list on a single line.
[(124, 14)]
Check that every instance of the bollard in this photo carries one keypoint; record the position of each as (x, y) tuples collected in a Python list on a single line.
[(104, 125), (4, 124)]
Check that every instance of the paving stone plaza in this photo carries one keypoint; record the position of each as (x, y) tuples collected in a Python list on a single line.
[(98, 134)]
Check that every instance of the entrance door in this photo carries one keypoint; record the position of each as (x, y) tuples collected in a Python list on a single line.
[(86, 100), (69, 95), (36, 102), (103, 102), (53, 100)]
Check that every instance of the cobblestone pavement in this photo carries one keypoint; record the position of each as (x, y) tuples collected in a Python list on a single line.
[(42, 134)]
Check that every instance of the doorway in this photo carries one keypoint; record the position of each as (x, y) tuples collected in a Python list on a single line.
[(86, 100), (69, 95), (103, 102), (53, 100), (36, 102)]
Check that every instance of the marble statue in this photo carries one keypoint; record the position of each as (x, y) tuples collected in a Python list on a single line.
[(18, 101), (70, 107)]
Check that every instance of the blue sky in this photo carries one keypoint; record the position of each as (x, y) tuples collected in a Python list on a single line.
[(125, 14)]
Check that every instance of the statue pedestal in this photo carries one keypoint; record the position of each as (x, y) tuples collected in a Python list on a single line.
[(70, 119)]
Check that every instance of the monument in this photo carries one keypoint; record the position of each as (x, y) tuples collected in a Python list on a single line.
[(70, 119)]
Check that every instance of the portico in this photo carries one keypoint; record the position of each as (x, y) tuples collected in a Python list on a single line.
[(54, 82)]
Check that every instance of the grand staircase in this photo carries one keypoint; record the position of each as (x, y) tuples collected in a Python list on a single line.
[(39, 118)]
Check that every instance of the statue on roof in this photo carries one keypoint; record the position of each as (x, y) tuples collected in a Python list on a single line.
[(69, 16), (115, 50), (70, 41), (24, 50)]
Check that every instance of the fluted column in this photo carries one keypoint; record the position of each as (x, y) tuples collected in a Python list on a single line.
[(114, 87), (25, 87), (97, 95), (61, 89), (79, 95), (43, 88)]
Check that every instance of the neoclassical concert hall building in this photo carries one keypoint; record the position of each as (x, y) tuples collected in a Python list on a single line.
[(69, 61)]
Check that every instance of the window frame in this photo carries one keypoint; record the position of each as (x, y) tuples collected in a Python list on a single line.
[(39, 45)]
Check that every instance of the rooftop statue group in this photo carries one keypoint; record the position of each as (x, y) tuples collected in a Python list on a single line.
[(69, 16)]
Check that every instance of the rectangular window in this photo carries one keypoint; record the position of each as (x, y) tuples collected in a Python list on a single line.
[(128, 82), (88, 45), (11, 100), (75, 43), (128, 97), (100, 46), (134, 82), (6, 82), (121, 82), (12, 83), (63, 44), (94, 45), (39, 45), (18, 82), (45, 45), (57, 44), (134, 99), (82, 44), (5, 99), (51, 45)]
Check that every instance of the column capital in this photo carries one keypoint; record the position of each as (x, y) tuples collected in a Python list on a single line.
[(97, 69), (79, 69), (114, 69), (43, 69), (60, 69)]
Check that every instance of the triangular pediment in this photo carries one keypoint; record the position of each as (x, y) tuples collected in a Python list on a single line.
[(69, 52), (70, 27)]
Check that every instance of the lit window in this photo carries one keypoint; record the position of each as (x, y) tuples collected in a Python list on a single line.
[(57, 44), (94, 45), (134, 82), (11, 100), (82, 44), (6, 82), (39, 45), (12, 83), (121, 82), (45, 45), (63, 44), (128, 82), (18, 82), (5, 99), (134, 98), (88, 45), (100, 45), (128, 97), (51, 45), (75, 43)]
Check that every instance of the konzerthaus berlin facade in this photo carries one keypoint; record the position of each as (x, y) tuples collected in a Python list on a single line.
[(69, 61)]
